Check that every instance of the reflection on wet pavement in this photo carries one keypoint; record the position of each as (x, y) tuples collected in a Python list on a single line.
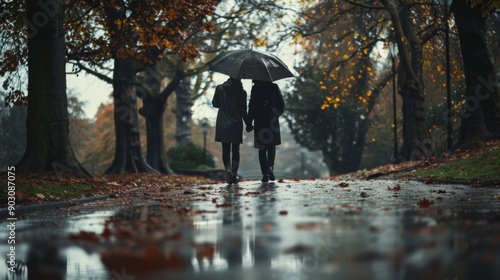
[(291, 230)]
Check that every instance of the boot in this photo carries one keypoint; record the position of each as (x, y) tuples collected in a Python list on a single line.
[(229, 175), (265, 178), (271, 173), (235, 179)]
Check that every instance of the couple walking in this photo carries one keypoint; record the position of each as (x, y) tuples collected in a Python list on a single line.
[(265, 106)]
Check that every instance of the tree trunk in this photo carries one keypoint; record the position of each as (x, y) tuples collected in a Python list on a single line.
[(416, 139), (156, 154), (153, 107), (152, 110), (128, 155), (480, 120), (48, 145), (183, 112)]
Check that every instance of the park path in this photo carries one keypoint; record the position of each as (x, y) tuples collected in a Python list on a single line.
[(308, 229)]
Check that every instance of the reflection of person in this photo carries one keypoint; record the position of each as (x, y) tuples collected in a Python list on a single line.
[(231, 99), (266, 237), (230, 233), (265, 107)]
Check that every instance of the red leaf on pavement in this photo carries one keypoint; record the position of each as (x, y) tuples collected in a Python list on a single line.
[(283, 212), (85, 236), (343, 185), (309, 226), (425, 202)]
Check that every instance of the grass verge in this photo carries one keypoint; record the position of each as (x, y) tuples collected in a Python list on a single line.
[(483, 166)]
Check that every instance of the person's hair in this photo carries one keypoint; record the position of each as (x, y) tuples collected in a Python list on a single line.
[(235, 83)]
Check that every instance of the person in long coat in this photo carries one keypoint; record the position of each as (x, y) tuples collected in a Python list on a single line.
[(231, 99), (265, 107)]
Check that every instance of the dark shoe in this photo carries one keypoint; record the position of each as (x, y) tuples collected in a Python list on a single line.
[(265, 178), (271, 173), (236, 179), (229, 177)]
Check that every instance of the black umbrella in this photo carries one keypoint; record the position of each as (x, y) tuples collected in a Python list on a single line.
[(250, 64)]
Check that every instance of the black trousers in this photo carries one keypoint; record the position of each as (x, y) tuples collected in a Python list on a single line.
[(234, 162), (266, 158)]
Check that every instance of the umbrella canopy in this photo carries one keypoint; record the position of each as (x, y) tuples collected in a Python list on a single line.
[(250, 64)]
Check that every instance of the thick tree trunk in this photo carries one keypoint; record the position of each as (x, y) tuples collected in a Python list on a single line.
[(48, 145), (416, 140), (128, 155), (154, 105), (344, 155), (481, 117), (415, 137), (183, 112), (152, 110), (156, 154)]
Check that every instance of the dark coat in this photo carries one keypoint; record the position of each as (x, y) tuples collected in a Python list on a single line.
[(231, 99), (265, 107)]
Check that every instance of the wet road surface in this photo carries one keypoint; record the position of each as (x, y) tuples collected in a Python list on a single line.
[(289, 230)]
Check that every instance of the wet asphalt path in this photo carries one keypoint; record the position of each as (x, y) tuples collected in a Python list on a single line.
[(289, 230)]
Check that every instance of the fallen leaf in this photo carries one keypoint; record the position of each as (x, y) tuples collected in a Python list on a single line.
[(299, 248), (283, 212), (308, 226), (223, 205), (343, 185), (252, 193), (397, 188), (268, 227), (425, 202), (373, 229), (84, 236)]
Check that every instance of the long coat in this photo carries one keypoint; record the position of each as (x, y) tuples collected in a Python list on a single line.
[(265, 107), (231, 99)]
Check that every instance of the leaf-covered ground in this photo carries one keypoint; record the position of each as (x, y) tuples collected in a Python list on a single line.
[(50, 187), (478, 167)]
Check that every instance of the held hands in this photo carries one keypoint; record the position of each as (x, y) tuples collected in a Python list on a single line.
[(249, 128)]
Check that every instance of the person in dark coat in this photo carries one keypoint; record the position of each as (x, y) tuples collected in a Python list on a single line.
[(231, 99), (265, 107)]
